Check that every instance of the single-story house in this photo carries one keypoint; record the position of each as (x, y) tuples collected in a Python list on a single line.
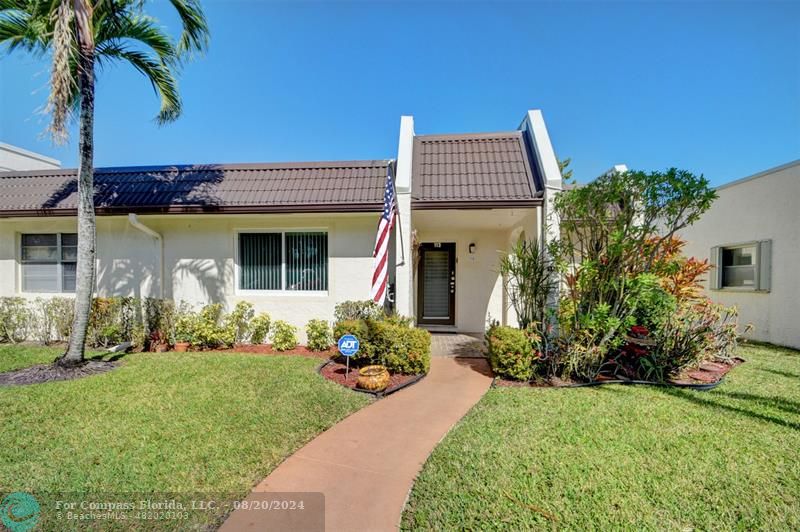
[(295, 239), (751, 235)]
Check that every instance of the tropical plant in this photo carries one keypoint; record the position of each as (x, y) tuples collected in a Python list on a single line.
[(613, 230), (528, 279), (696, 332), (80, 34)]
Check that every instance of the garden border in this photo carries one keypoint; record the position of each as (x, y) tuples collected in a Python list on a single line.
[(699, 387), (380, 394)]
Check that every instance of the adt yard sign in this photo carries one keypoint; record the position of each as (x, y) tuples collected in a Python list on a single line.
[(348, 345)]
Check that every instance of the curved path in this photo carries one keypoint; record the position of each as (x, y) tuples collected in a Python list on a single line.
[(366, 464)]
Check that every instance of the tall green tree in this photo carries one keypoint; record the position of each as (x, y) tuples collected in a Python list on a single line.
[(79, 35)]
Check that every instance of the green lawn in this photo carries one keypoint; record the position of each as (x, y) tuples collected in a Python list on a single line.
[(213, 424), (617, 457), (20, 356)]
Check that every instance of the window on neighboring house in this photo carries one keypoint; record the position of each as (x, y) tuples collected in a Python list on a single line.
[(744, 266), (292, 260), (48, 262)]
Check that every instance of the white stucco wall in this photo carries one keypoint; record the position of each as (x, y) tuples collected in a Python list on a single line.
[(199, 254), (14, 158), (759, 208)]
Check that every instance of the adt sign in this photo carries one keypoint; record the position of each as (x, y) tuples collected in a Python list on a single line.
[(348, 345)]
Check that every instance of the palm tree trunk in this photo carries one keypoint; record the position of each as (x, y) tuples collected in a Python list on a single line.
[(85, 274)]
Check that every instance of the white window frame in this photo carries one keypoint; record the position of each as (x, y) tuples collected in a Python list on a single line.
[(59, 265), (282, 292)]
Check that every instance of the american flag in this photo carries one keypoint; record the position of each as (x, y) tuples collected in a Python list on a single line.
[(380, 271)]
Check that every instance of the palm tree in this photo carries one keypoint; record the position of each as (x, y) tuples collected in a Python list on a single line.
[(79, 34)]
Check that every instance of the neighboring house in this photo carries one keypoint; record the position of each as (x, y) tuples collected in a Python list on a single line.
[(295, 239), (752, 236), (13, 158)]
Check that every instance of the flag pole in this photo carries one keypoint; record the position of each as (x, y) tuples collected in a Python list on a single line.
[(392, 164)]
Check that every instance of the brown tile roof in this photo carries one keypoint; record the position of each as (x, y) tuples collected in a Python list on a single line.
[(473, 169), (234, 188)]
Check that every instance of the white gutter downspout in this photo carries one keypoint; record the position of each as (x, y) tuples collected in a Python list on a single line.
[(134, 221)]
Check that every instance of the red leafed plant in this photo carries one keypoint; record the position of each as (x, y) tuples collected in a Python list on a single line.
[(685, 283), (680, 276)]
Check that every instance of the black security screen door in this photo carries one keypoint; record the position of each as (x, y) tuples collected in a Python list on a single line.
[(437, 284)]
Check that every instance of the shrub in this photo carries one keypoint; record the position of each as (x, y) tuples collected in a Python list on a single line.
[(361, 330), (104, 325), (511, 354), (42, 320), (259, 328), (159, 319), (651, 305), (693, 334), (357, 310), (63, 312), (319, 335), (114, 320), (208, 330), (14, 319), (185, 326), (400, 348), (284, 336), (237, 324)]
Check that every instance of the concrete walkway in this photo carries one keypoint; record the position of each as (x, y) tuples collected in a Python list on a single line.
[(366, 464)]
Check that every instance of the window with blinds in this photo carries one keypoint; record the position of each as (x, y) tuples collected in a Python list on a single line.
[(49, 262), (307, 261), (293, 261)]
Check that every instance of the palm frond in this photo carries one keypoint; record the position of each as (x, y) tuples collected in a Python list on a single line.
[(18, 30), (194, 37), (62, 80), (157, 72), (138, 27)]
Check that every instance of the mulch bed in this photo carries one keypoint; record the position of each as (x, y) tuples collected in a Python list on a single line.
[(337, 372), (52, 373), (267, 349), (708, 375)]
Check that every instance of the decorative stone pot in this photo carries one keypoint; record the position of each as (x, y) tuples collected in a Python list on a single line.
[(182, 347), (373, 378)]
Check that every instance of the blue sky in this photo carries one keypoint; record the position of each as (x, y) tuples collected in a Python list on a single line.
[(710, 87)]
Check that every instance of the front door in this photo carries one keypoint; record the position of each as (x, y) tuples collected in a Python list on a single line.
[(437, 284)]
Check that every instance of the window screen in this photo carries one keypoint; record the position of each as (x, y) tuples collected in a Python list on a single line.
[(739, 266), (306, 261)]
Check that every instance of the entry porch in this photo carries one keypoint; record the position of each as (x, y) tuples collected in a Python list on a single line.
[(456, 284)]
